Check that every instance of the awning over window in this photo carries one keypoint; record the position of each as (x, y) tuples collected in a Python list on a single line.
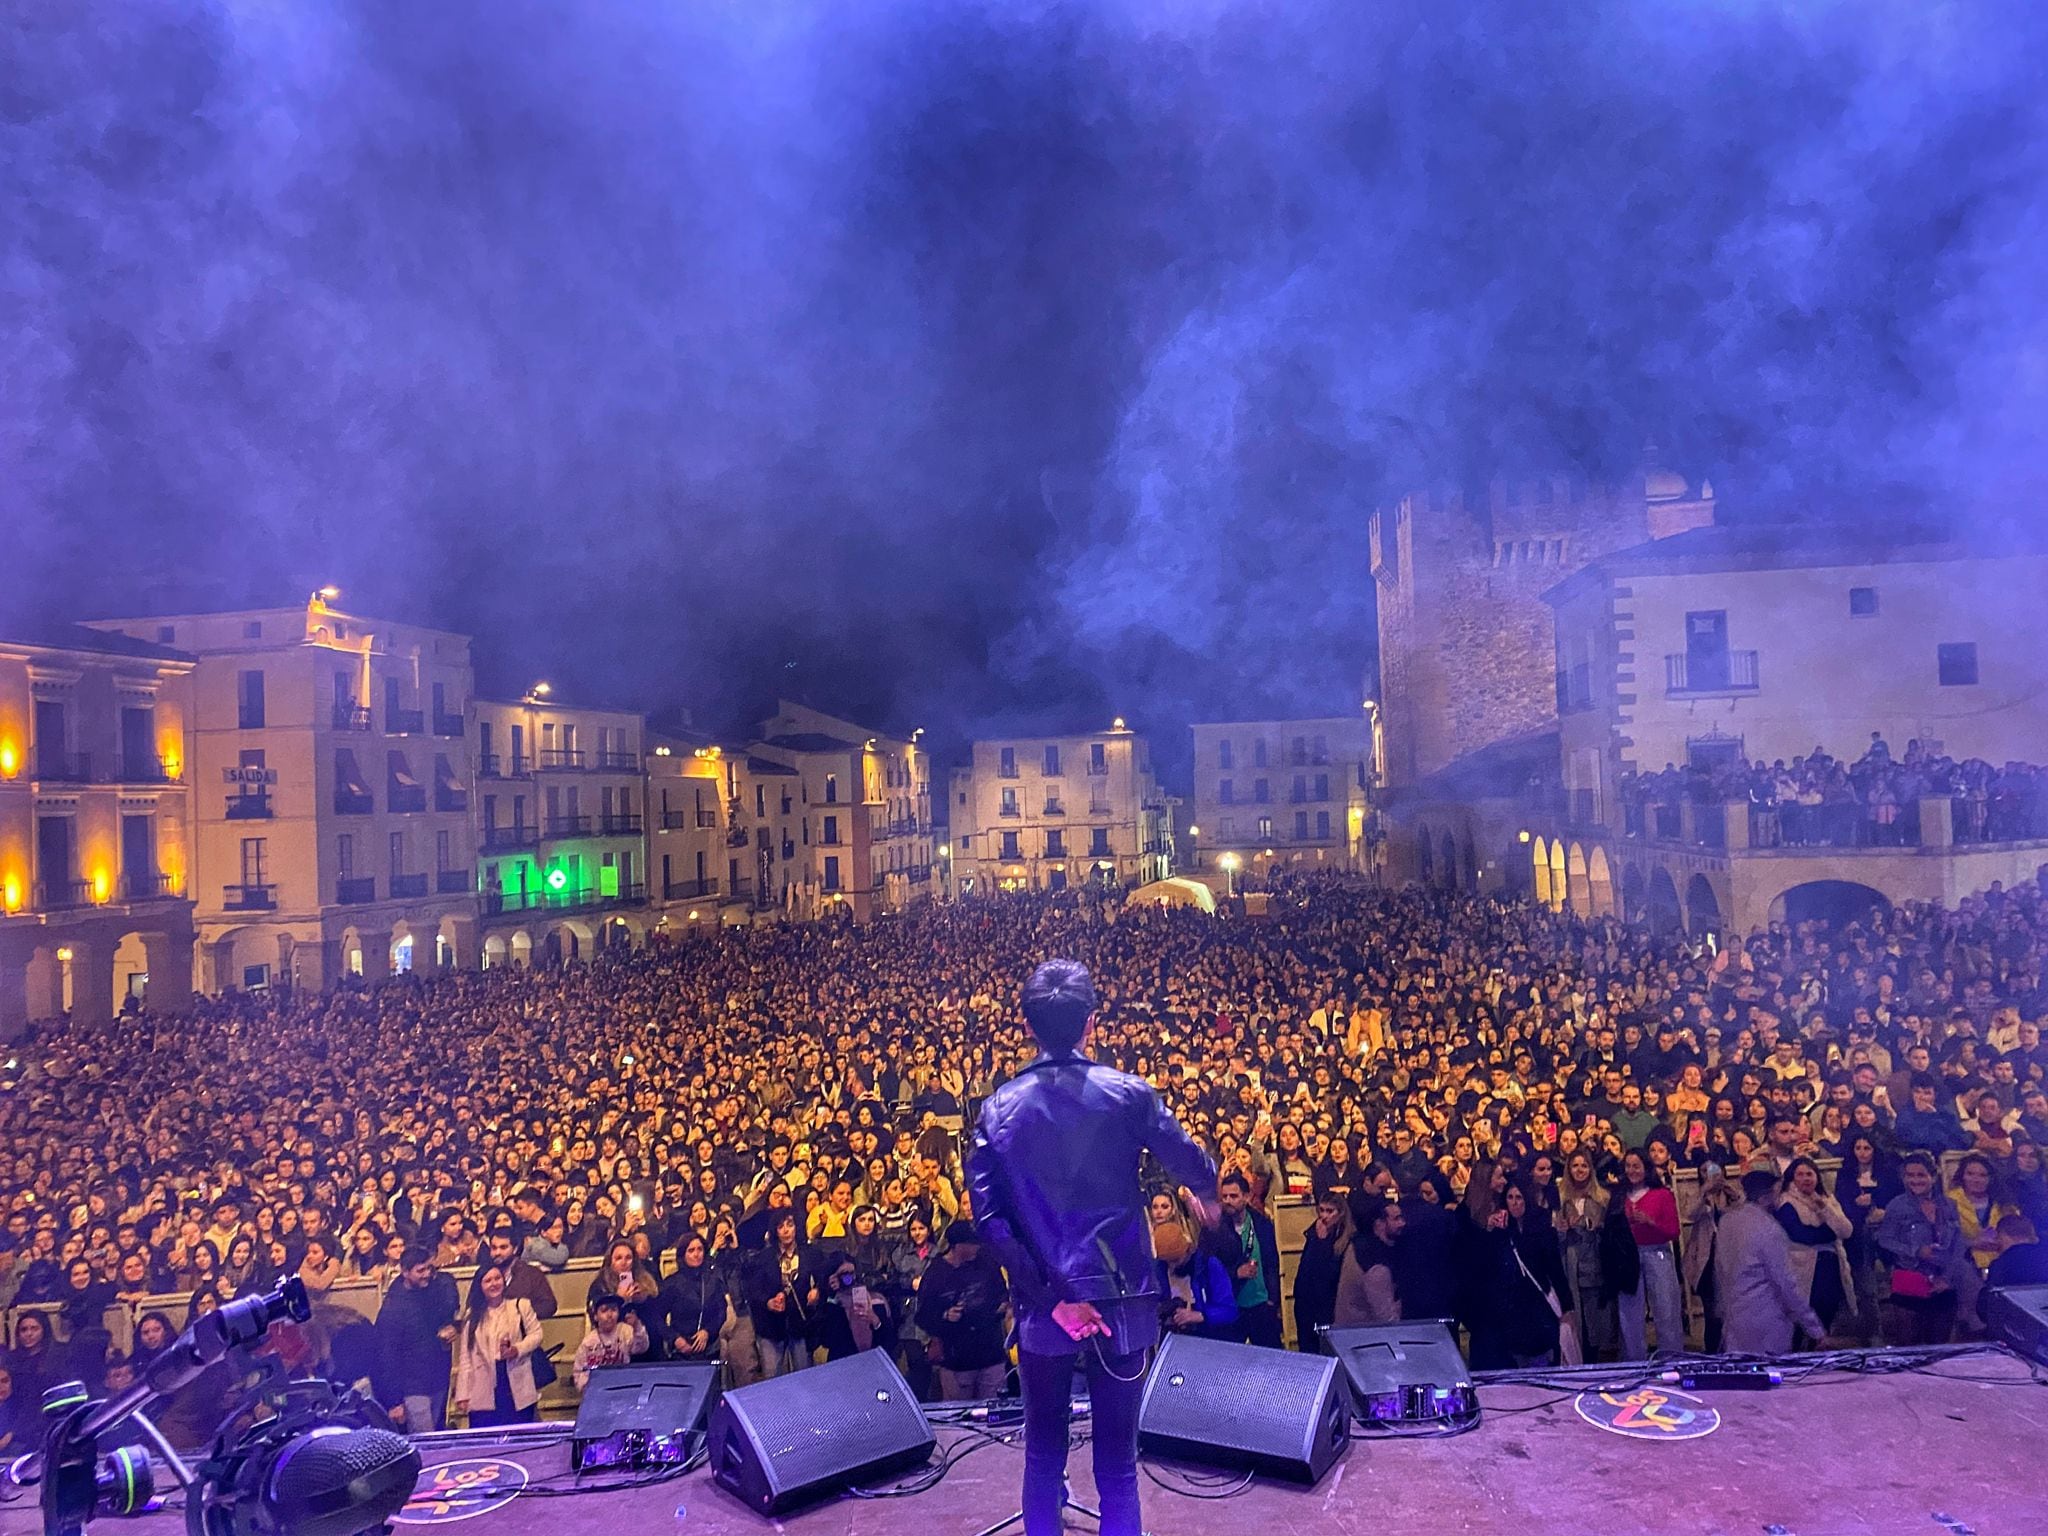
[(444, 773), (401, 771)]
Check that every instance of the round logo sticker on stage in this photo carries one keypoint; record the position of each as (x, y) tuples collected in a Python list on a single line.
[(1649, 1413), (460, 1490)]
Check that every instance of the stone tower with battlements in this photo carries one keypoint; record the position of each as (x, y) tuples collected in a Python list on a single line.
[(1466, 646)]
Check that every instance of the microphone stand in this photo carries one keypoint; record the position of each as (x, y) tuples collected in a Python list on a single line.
[(69, 1466)]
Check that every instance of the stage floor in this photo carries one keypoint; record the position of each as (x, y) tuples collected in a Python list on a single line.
[(1957, 1449)]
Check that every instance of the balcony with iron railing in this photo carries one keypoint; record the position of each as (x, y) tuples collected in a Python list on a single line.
[(406, 799), (561, 759), (249, 898), (585, 898), (56, 766), (1010, 810), (355, 890), (490, 765), (448, 725), (351, 717), (62, 895), (621, 824), (1710, 672), (249, 805), (146, 885), (568, 826), (405, 887), (405, 722), (618, 762), (501, 837), (1052, 808), (146, 768), (450, 797), (452, 882), (688, 890)]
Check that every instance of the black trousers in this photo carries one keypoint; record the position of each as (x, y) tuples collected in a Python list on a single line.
[(1115, 1385), (1260, 1325)]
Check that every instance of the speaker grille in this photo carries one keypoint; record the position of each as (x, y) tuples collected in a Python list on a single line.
[(807, 1440), (779, 1442), (1243, 1406)]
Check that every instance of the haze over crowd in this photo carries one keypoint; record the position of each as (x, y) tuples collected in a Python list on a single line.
[(952, 363)]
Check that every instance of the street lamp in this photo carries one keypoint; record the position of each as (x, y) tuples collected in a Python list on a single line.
[(1229, 861)]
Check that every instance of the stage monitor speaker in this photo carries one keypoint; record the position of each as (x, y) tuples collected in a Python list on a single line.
[(1235, 1405), (791, 1439), (1405, 1373), (642, 1415), (2018, 1314)]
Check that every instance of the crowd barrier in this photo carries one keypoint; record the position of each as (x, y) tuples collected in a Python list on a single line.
[(1292, 1219)]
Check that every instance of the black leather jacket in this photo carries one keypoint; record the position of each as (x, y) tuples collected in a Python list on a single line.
[(1053, 1171)]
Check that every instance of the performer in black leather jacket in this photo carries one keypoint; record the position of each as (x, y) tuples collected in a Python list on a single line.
[(1053, 1172)]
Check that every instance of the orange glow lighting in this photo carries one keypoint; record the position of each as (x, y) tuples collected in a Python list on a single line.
[(10, 759)]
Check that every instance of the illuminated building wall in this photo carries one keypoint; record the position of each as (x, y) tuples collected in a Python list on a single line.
[(330, 792), (94, 822), (1049, 812), (1281, 791)]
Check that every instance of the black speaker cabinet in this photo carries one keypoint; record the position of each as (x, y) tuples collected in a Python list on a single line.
[(1405, 1373), (2018, 1314), (1235, 1405), (795, 1438), (642, 1415)]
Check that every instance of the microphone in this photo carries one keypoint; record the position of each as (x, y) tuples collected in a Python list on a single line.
[(283, 1478), (241, 1321), (336, 1482)]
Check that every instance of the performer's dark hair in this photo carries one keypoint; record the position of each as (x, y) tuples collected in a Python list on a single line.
[(1058, 999)]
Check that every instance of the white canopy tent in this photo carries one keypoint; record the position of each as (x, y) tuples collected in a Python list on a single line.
[(1174, 891)]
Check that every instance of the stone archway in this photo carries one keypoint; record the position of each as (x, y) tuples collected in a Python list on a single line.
[(49, 981), (1634, 892), (520, 949), (1600, 881), (355, 960), (1661, 906), (1559, 889), (1834, 901), (131, 972), (615, 934), (404, 950), (495, 951), (1540, 857), (1702, 907), (1447, 860), (1577, 891), (1425, 856)]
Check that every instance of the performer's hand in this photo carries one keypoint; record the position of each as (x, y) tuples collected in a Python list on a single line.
[(1079, 1319)]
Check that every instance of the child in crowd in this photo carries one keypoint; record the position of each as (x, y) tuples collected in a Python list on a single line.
[(612, 1340)]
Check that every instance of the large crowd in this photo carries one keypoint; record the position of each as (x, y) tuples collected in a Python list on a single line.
[(1821, 800), (756, 1133)]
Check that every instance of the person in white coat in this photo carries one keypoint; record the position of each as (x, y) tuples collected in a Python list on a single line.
[(494, 1381), (1762, 1300)]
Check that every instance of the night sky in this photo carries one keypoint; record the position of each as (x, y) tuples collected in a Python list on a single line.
[(959, 364)]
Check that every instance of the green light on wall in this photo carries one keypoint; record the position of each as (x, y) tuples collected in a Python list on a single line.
[(557, 879)]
